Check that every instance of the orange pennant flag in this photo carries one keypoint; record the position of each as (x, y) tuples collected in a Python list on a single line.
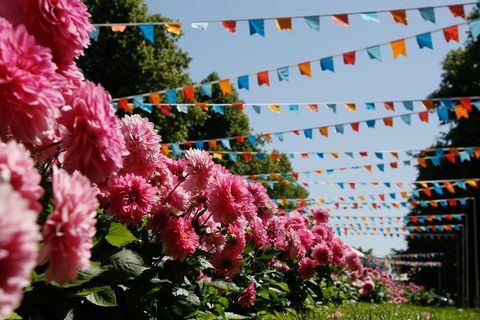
[(399, 48), (404, 195), (225, 87), (154, 98), (472, 183), (341, 19), (284, 24), (477, 153), (449, 187), (202, 106), (428, 104), (334, 154), (461, 112), (130, 107), (388, 122), (165, 150), (118, 28), (351, 106), (324, 131), (305, 69), (313, 107), (394, 154), (399, 16), (212, 144), (368, 168), (276, 155), (422, 162), (175, 28)]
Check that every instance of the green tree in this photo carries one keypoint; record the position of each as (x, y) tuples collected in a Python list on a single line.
[(461, 77)]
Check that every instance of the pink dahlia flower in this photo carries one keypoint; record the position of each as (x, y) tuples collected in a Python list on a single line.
[(143, 144), (248, 296), (181, 239), (235, 238), (277, 233), (265, 206), (228, 198), (17, 168), (61, 25), (320, 216), (353, 262), (367, 287), (227, 263), (338, 251), (69, 230), (198, 170), (18, 247), (74, 79), (131, 198), (91, 135), (259, 234), (29, 87), (322, 254), (306, 268)]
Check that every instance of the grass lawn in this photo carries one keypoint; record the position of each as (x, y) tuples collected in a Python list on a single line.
[(365, 311)]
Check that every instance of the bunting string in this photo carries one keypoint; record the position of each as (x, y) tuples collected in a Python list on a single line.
[(398, 48), (407, 229), (423, 255), (257, 25), (399, 219), (429, 236), (380, 261)]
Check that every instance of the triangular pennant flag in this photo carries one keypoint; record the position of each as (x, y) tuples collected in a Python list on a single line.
[(374, 53), (313, 107), (274, 108), (200, 25), (308, 133), (370, 16), (324, 131), (466, 103), (399, 16), (332, 107), (370, 106), (389, 106), (399, 48), (257, 26), (175, 28), (457, 11), (230, 26), (118, 28), (451, 34), (475, 28), (428, 14), (423, 116), (428, 104), (283, 74), (388, 122), (407, 118), (341, 19), (95, 34), (293, 107), (355, 126), (349, 57), (371, 123), (327, 64), (225, 87), (148, 32), (171, 96), (284, 24), (305, 69), (257, 109), (351, 107), (206, 90), (263, 78), (313, 22), (189, 94), (339, 128), (461, 112), (425, 40), (219, 109)]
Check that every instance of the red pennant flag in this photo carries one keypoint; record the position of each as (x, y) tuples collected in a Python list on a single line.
[(313, 107), (349, 57), (399, 16), (452, 203), (240, 139), (189, 94), (382, 197), (355, 126), (450, 157), (212, 144), (466, 103), (230, 26), (457, 11), (389, 106), (297, 132), (123, 104), (165, 110), (295, 175), (423, 116), (393, 165), (363, 154), (414, 219), (263, 78), (352, 185), (341, 19), (451, 34), (188, 144), (247, 156), (239, 106), (427, 192)]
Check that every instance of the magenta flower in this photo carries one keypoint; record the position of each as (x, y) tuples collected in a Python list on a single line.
[(131, 198), (322, 254), (228, 198), (248, 296), (74, 79), (259, 234), (367, 287), (69, 230), (277, 233), (91, 135), (306, 268), (19, 236), (29, 87), (17, 168), (143, 144), (353, 262), (235, 238), (61, 25), (320, 216), (265, 206), (338, 251), (198, 170), (181, 239), (227, 263)]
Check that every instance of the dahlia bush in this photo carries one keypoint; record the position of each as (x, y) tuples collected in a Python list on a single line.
[(96, 222)]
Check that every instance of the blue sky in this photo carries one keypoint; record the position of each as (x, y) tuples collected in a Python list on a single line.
[(406, 78)]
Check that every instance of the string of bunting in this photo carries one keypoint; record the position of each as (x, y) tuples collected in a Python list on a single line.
[(443, 113), (257, 25), (398, 48), (425, 228), (399, 219), (442, 203), (380, 261), (424, 255), (430, 236)]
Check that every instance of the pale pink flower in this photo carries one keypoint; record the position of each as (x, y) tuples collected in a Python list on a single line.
[(29, 87), (322, 254), (198, 170), (320, 216), (228, 198), (297, 250), (181, 240), (353, 262), (143, 144), (61, 25), (18, 169), (277, 233), (337, 314), (19, 237), (69, 230), (248, 296), (367, 287), (91, 135), (259, 234), (227, 263), (306, 268), (131, 198)]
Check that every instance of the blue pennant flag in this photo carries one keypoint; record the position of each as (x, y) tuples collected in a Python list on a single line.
[(243, 83), (370, 16), (371, 123), (261, 156), (464, 156), (332, 107), (95, 34), (293, 107), (257, 26), (206, 90), (379, 155), (442, 114), (148, 32), (327, 64), (463, 202), (339, 128), (171, 96), (428, 14), (340, 184), (270, 185), (381, 167), (439, 153), (182, 108), (233, 156), (374, 53), (147, 107), (199, 144), (425, 40), (435, 160), (257, 109), (370, 106), (447, 103), (407, 162), (407, 118), (225, 143), (176, 149), (279, 136), (218, 108), (252, 140), (462, 185), (313, 22), (320, 155), (138, 102), (475, 28), (308, 133), (438, 189), (350, 154), (408, 105), (283, 74)]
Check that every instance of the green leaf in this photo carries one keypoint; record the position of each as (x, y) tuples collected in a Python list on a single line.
[(119, 235), (205, 264), (128, 262), (86, 275), (220, 284), (70, 315), (101, 296), (14, 316), (231, 315)]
